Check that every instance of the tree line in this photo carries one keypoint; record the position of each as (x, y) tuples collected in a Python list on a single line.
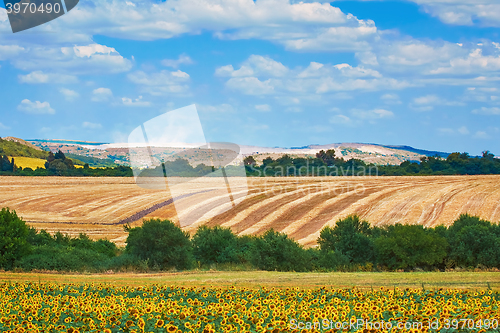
[(325, 163), (59, 165), (350, 245)]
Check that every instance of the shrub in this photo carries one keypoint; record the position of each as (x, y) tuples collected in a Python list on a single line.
[(163, 244), (474, 242), (351, 238), (13, 239), (275, 251), (410, 246), (215, 245)]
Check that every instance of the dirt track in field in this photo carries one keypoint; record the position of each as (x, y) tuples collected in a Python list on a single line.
[(300, 206)]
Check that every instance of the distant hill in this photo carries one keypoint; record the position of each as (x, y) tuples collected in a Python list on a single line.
[(419, 151), (19, 148), (105, 153)]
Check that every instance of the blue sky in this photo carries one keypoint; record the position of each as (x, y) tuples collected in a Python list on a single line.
[(266, 72)]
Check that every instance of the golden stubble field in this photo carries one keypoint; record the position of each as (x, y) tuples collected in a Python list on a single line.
[(299, 206)]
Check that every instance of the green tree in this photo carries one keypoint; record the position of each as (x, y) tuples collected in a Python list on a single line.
[(410, 246), (250, 160), (13, 239), (215, 245), (275, 251), (327, 157), (474, 242), (161, 243), (350, 237)]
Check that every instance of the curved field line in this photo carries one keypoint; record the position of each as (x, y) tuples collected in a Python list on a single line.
[(284, 210), (256, 205), (310, 231)]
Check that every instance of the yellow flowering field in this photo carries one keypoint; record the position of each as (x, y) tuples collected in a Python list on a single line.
[(50, 307)]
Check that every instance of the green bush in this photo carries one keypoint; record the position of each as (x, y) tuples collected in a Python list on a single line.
[(215, 245), (351, 238), (275, 251), (67, 259), (410, 246), (13, 239), (474, 242), (163, 244)]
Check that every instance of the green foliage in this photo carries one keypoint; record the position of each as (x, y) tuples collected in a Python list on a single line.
[(275, 251), (474, 242), (350, 238), (410, 246), (11, 148), (92, 161), (215, 245), (163, 244), (13, 239)]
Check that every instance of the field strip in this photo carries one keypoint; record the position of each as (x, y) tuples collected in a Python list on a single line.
[(321, 211), (271, 219), (240, 217), (257, 279), (308, 233)]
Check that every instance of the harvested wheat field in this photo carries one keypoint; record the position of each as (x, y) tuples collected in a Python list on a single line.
[(300, 206)]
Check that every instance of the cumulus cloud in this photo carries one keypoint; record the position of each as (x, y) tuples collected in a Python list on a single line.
[(263, 107), (487, 111), (85, 59), (215, 108), (41, 77), (358, 116), (481, 135), (464, 12), (175, 63), (36, 107), (463, 130), (264, 76), (101, 95), (69, 95), (161, 83), (92, 126), (428, 102), (135, 102)]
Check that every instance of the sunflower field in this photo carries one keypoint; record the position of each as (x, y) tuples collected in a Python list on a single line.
[(50, 307)]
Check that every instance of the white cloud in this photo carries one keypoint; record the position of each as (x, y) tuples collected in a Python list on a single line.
[(36, 107), (427, 103), (340, 119), (136, 102), (450, 131), (255, 65), (372, 114), (464, 12), (391, 99), (2, 126), (161, 83), (263, 107), (41, 77), (89, 125), (297, 26), (224, 108), (463, 130), (86, 59), (481, 135), (252, 85), (10, 51), (358, 116), (262, 75), (175, 63), (101, 95), (487, 111), (69, 94)]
